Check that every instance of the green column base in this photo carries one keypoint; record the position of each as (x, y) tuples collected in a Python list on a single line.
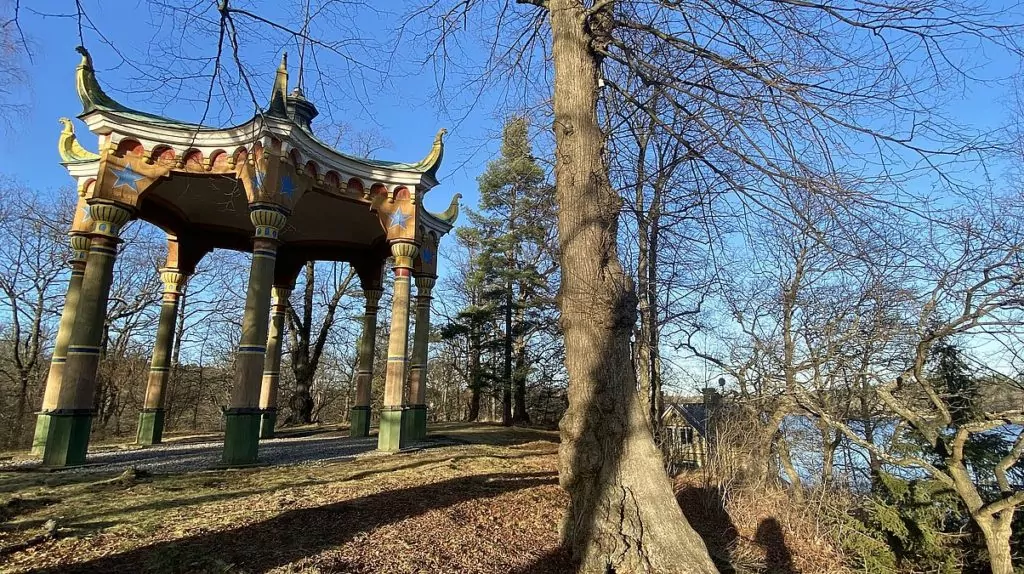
[(393, 435), (151, 427), (67, 438), (42, 430), (408, 425), (418, 414), (359, 419), (241, 436), (268, 421)]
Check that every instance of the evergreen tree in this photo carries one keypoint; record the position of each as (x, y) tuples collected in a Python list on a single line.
[(962, 392), (514, 227), (473, 324)]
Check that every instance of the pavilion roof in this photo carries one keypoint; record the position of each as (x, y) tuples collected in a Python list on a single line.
[(275, 120)]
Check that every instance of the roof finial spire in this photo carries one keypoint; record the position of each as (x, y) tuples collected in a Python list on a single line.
[(302, 48), (89, 90), (430, 163), (68, 146), (452, 213), (279, 94)]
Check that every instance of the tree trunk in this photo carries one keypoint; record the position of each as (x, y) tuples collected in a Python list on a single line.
[(656, 407), (474, 406), (301, 404), (519, 372), (304, 357), (644, 361), (22, 405), (830, 442), (786, 460), (647, 340), (519, 414), (506, 383), (622, 516), (475, 382), (997, 532)]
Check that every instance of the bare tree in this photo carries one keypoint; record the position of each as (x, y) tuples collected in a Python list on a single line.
[(34, 271), (966, 282), (14, 53), (307, 346)]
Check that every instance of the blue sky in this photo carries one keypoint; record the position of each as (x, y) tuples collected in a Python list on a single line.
[(396, 103), (398, 99)]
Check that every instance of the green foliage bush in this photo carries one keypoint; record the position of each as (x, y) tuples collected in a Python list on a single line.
[(908, 526)]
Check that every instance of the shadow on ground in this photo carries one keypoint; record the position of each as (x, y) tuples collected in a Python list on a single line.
[(488, 433), (302, 533), (176, 457)]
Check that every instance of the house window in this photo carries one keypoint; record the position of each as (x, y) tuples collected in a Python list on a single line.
[(680, 435), (686, 435)]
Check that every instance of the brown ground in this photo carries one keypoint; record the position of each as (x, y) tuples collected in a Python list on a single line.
[(492, 506)]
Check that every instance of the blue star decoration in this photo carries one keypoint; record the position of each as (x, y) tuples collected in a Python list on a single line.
[(287, 186), (86, 216), (258, 177), (427, 256), (399, 219), (126, 176)]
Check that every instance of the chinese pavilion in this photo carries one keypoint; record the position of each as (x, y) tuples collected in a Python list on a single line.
[(267, 186)]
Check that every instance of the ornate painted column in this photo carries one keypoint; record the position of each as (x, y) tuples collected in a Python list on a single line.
[(151, 419), (391, 438), (243, 415), (360, 413), (68, 434), (418, 373), (272, 363), (80, 250)]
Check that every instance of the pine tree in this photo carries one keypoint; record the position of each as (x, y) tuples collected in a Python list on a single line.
[(515, 227), (473, 324)]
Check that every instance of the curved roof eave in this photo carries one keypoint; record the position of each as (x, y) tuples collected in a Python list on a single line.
[(103, 121), (442, 222), (103, 115), (330, 158), (435, 223)]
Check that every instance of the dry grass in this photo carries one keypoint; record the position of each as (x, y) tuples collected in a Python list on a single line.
[(491, 505), (488, 503), (759, 529)]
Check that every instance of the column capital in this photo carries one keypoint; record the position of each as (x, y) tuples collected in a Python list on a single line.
[(269, 220), (404, 252), (279, 295), (372, 297), (108, 217), (79, 249), (173, 280), (424, 283)]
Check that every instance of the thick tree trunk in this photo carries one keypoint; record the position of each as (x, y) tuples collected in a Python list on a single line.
[(519, 413), (301, 404), (22, 404), (474, 406), (622, 516), (997, 540)]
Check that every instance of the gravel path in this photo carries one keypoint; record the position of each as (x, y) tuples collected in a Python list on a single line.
[(172, 458)]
